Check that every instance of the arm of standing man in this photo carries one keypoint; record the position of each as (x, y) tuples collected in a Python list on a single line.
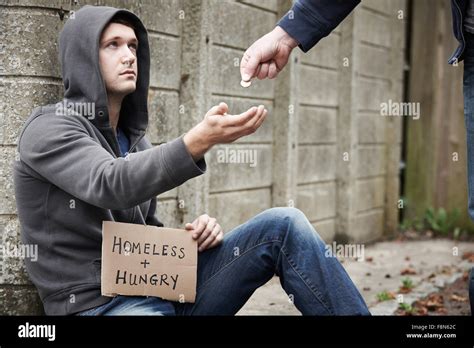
[(304, 25)]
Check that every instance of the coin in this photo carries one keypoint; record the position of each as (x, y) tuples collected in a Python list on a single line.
[(245, 84)]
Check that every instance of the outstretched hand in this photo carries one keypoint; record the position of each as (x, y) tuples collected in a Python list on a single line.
[(218, 127)]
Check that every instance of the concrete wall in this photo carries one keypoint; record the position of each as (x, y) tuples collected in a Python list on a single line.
[(324, 147)]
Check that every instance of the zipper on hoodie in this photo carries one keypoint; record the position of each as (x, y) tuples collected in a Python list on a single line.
[(136, 143)]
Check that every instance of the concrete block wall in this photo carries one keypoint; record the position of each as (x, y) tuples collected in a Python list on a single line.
[(319, 110), (238, 191), (379, 65), (29, 76), (317, 138), (348, 156), (372, 45)]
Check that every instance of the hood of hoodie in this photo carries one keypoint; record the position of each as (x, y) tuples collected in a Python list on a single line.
[(83, 83)]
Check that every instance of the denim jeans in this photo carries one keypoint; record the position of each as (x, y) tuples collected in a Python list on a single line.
[(468, 88), (277, 241)]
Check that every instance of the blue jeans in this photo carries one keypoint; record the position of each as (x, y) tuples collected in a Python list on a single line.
[(277, 241), (469, 120)]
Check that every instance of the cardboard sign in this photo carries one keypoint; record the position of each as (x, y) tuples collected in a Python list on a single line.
[(141, 260)]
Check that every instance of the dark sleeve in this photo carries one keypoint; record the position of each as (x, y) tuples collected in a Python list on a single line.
[(309, 21)]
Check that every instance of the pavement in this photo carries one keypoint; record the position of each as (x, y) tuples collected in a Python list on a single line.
[(429, 264)]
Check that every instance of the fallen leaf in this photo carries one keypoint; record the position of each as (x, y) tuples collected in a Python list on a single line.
[(407, 270), (434, 301), (468, 255), (404, 290), (422, 310), (458, 298), (446, 270)]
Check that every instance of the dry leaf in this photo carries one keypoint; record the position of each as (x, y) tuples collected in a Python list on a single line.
[(468, 255), (407, 270), (458, 298), (404, 290)]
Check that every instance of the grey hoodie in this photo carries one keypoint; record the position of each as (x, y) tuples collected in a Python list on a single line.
[(70, 177)]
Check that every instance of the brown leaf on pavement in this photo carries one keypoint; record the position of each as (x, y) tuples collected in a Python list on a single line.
[(458, 298), (468, 255), (434, 301), (407, 270), (404, 290), (422, 310)]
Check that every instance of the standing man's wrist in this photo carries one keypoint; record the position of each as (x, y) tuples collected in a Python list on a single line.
[(284, 37)]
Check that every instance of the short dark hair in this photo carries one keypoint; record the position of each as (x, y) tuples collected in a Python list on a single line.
[(123, 19)]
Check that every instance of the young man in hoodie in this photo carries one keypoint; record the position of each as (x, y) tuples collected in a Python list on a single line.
[(86, 160)]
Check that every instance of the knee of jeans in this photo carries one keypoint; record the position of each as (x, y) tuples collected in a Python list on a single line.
[(292, 216), (287, 212)]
